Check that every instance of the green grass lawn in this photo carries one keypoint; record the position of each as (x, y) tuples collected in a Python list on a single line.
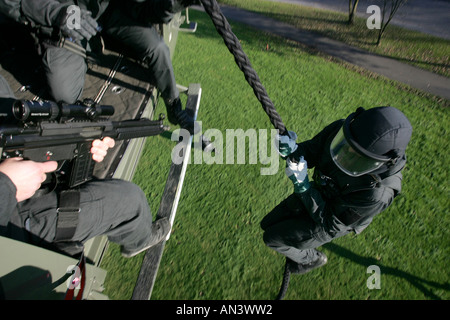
[(216, 249)]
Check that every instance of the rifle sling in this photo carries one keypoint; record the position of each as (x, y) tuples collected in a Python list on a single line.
[(68, 210)]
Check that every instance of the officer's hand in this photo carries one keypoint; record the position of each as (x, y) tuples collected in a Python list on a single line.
[(297, 172), (100, 147), (26, 175), (77, 24), (286, 143)]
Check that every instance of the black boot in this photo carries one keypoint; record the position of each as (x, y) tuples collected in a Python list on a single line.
[(300, 268), (178, 116), (160, 229)]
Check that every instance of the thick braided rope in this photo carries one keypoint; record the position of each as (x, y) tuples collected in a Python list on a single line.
[(285, 284), (232, 42)]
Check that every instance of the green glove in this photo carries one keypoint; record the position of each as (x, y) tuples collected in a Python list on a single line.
[(286, 143)]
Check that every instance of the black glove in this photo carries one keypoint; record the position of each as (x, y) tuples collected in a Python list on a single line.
[(77, 29)]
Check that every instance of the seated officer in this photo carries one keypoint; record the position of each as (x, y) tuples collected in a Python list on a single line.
[(115, 208)]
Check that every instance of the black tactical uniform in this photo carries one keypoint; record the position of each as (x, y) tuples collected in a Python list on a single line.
[(339, 202)]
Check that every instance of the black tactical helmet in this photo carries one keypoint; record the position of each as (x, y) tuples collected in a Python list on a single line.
[(371, 141)]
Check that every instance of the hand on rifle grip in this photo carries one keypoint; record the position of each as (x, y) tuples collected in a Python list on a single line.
[(27, 176)]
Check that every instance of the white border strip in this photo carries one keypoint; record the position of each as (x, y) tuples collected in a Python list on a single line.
[(183, 170)]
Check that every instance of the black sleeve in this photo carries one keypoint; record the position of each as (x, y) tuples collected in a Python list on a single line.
[(7, 188), (8, 199), (11, 9), (41, 12)]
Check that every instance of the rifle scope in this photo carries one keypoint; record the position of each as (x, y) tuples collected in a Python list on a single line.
[(27, 110)]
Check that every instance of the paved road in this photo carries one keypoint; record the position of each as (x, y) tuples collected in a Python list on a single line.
[(390, 68), (428, 16)]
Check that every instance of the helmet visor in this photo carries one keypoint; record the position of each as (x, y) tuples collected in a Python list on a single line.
[(348, 159)]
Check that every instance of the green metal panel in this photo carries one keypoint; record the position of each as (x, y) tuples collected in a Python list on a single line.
[(29, 272)]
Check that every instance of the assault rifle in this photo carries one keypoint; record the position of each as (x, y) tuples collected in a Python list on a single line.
[(44, 131)]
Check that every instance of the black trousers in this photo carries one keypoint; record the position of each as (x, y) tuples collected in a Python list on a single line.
[(116, 208), (66, 70), (289, 230)]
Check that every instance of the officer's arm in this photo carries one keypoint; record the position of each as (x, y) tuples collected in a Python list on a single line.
[(41, 12), (8, 199), (11, 8)]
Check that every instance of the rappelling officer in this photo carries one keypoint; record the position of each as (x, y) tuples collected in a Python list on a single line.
[(357, 174)]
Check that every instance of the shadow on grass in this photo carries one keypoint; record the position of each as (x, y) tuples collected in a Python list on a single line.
[(416, 281), (247, 36)]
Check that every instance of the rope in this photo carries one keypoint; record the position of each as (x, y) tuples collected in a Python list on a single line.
[(285, 283), (232, 42), (234, 46)]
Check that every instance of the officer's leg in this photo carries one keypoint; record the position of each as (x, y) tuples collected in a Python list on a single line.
[(145, 44), (65, 73), (119, 209), (287, 209), (293, 239), (291, 232), (115, 208), (5, 89)]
